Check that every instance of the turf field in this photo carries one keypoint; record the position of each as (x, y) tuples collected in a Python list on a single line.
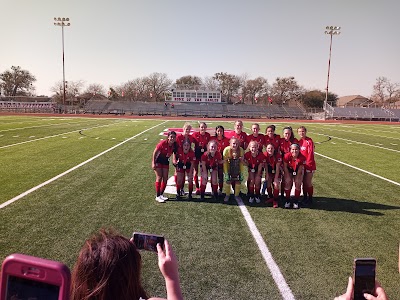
[(65, 177)]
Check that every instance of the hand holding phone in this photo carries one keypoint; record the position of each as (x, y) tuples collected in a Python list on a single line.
[(145, 241), (29, 277), (364, 277)]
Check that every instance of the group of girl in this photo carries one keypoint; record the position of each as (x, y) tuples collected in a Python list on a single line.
[(286, 161)]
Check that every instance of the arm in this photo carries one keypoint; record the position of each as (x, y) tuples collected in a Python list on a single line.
[(156, 153), (168, 264)]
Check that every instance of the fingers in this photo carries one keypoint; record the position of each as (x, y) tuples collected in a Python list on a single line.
[(369, 297), (160, 251), (350, 285)]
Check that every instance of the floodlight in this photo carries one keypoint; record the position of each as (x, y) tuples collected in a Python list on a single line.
[(67, 19)]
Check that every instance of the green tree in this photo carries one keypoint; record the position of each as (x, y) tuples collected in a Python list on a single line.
[(316, 99), (189, 82), (285, 89), (253, 88), (17, 82)]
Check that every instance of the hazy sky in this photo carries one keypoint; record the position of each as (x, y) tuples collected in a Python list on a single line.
[(111, 42)]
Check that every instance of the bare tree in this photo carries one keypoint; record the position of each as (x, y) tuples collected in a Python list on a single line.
[(254, 88), (228, 83), (189, 82), (72, 90), (384, 91), (157, 84), (17, 82), (285, 89), (211, 84), (96, 89)]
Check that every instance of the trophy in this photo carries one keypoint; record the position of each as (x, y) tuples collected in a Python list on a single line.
[(234, 167)]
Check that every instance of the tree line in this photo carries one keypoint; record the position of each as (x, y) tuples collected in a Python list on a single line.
[(155, 87)]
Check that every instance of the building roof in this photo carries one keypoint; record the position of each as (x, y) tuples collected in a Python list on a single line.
[(353, 100)]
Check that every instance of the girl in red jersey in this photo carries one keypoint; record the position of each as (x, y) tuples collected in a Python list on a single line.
[(284, 147), (160, 164), (273, 173), (293, 166), (184, 161), (307, 149), (240, 134), (256, 136), (202, 137), (187, 128), (209, 162), (270, 138), (255, 160), (222, 143)]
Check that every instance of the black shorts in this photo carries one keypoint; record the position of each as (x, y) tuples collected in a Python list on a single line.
[(163, 160)]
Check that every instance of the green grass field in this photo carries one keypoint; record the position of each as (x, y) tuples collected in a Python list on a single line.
[(356, 214)]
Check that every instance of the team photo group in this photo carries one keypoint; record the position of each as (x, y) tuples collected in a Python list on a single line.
[(267, 164)]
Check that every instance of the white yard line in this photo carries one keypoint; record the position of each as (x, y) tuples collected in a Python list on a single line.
[(72, 169), (280, 281), (358, 169), (56, 135), (356, 142), (373, 135)]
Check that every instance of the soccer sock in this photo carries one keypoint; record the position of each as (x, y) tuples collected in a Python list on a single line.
[(176, 178), (162, 187), (214, 188), (157, 186), (227, 188), (310, 191), (196, 181), (297, 194), (221, 185), (258, 193), (269, 191), (287, 195), (276, 194), (251, 189), (237, 189), (190, 187), (178, 188)]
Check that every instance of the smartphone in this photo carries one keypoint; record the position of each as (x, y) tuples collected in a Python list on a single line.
[(145, 241), (364, 277), (26, 277)]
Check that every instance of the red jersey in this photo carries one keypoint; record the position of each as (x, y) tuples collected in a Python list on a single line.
[(221, 144), (272, 161), (294, 164), (242, 137), (165, 149), (307, 149), (211, 161), (201, 143), (180, 138), (260, 139), (254, 162), (275, 141), (284, 145), (184, 160)]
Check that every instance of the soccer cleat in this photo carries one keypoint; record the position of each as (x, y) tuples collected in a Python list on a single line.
[(182, 192), (287, 204), (178, 197), (258, 200), (163, 197), (226, 199), (251, 200), (202, 197), (275, 204), (295, 205), (159, 199), (190, 197)]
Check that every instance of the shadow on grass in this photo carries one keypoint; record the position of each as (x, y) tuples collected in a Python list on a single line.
[(319, 203), (351, 206)]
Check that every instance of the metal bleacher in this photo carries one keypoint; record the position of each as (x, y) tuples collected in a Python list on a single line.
[(365, 113)]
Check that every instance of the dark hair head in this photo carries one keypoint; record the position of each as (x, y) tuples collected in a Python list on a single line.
[(220, 127), (171, 133), (108, 267)]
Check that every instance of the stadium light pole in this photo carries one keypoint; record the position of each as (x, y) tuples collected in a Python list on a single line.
[(62, 22), (331, 30)]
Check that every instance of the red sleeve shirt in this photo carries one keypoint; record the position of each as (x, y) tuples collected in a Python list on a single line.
[(242, 137), (185, 157), (165, 149), (307, 149), (211, 161), (293, 164), (275, 141), (254, 162), (284, 145), (222, 144), (260, 139), (180, 138), (272, 161), (201, 139)]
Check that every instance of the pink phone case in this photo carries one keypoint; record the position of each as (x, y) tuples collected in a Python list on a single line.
[(35, 269)]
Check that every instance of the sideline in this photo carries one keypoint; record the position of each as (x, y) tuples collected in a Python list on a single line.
[(358, 169), (73, 168), (280, 281)]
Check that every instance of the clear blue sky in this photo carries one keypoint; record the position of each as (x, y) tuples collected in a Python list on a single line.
[(111, 42)]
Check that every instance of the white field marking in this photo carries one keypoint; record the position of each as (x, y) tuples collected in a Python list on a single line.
[(39, 126), (15, 136), (361, 143), (373, 135), (51, 136), (393, 144), (271, 264), (358, 169), (72, 169)]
